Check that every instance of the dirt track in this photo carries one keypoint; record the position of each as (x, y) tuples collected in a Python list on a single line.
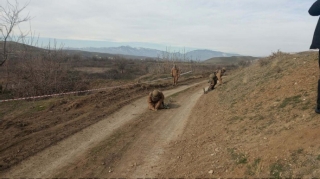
[(149, 146), (142, 152), (259, 124)]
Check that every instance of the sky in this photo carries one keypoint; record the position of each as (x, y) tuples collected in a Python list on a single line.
[(247, 27)]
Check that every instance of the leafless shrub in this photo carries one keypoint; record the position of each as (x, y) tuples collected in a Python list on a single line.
[(10, 17), (264, 61), (41, 73), (274, 55), (121, 64), (277, 69), (244, 63)]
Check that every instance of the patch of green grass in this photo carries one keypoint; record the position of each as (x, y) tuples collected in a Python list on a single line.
[(14, 108), (278, 75), (258, 106), (221, 88), (260, 83), (257, 117), (294, 154), (1, 114), (40, 108), (176, 94), (239, 158), (188, 75), (242, 159), (291, 101), (252, 169), (233, 103), (306, 105), (265, 125), (154, 77), (299, 151), (164, 76), (262, 89), (276, 169), (271, 108), (318, 157), (236, 118), (41, 105), (243, 97)]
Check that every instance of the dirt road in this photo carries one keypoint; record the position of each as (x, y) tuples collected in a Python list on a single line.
[(141, 160), (142, 152)]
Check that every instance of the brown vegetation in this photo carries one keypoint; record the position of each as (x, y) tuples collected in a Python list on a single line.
[(262, 124), (34, 71)]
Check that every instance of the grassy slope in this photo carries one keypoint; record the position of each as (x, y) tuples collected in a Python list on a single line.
[(260, 123), (229, 60)]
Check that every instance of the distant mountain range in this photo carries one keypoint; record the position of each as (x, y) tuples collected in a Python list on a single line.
[(146, 52)]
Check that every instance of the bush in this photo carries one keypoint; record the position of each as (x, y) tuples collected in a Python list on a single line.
[(244, 63), (270, 58), (42, 73)]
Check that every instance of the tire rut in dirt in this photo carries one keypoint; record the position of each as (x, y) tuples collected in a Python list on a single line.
[(63, 119), (127, 150)]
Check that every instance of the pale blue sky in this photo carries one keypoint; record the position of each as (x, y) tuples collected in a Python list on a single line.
[(249, 27)]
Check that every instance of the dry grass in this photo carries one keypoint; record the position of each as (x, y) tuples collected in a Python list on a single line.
[(274, 56), (92, 69), (259, 123)]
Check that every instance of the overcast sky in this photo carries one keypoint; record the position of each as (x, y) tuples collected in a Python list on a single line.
[(248, 27)]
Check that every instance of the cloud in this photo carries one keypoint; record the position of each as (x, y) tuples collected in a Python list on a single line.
[(246, 27)]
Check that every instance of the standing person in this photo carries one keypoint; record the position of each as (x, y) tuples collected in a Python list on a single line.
[(175, 73), (219, 74), (315, 11), (156, 100)]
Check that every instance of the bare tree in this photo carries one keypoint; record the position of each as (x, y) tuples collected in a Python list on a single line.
[(10, 17), (121, 63)]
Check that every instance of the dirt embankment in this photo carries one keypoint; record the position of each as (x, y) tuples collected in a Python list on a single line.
[(260, 123)]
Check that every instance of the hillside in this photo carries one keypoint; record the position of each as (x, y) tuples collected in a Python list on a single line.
[(229, 60), (17, 47), (87, 54), (207, 54), (14, 46), (128, 52), (259, 123), (153, 53)]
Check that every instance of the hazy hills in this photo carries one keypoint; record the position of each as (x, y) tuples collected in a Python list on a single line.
[(153, 53), (207, 56)]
